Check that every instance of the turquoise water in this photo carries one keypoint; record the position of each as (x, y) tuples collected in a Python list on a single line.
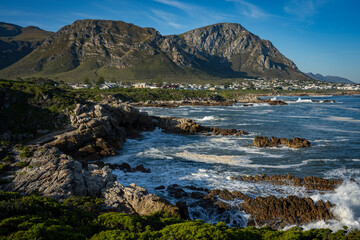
[(210, 161)]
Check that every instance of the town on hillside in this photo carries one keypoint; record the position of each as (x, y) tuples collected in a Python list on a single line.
[(246, 84)]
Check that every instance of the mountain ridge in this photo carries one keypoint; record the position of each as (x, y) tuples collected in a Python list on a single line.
[(16, 42), (328, 78), (122, 51)]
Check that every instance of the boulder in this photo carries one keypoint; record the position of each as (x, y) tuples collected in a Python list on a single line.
[(135, 199), (261, 141)]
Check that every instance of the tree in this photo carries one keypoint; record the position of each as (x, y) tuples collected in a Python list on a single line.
[(100, 81), (87, 81), (159, 81)]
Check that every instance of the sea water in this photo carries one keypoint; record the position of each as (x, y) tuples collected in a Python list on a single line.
[(210, 161)]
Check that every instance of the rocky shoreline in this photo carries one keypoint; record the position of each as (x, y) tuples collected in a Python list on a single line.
[(247, 100), (60, 166)]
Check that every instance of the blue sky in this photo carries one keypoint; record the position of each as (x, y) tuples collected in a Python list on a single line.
[(320, 36)]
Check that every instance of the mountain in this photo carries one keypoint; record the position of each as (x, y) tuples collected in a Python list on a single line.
[(121, 51), (16, 42), (333, 79)]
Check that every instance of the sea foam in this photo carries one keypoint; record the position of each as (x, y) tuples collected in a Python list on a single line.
[(347, 207)]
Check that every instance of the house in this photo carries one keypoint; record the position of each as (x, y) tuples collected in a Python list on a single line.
[(141, 85)]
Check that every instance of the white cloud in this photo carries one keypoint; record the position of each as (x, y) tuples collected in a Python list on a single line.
[(249, 9), (303, 8), (188, 8), (166, 18)]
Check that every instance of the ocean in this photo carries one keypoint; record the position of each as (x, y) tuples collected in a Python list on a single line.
[(333, 128)]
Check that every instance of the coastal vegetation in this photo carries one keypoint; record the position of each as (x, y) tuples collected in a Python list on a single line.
[(36, 217)]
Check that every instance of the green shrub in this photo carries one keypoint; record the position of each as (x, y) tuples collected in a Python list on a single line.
[(7, 159), (21, 164), (86, 203), (25, 152), (35, 217), (4, 167)]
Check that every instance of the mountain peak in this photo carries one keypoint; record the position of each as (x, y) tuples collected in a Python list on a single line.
[(119, 50)]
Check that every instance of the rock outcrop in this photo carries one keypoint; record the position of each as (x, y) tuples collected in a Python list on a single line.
[(54, 174), (58, 175), (261, 141), (271, 211), (135, 199), (280, 212), (308, 182), (188, 126), (101, 130), (274, 102)]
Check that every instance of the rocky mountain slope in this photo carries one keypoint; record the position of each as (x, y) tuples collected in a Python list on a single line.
[(16, 42), (328, 78), (120, 51)]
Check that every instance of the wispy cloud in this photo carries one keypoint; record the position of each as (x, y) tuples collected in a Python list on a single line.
[(303, 8), (166, 18), (84, 15), (249, 9), (182, 6), (197, 13)]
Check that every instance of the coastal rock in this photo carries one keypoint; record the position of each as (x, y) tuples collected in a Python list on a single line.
[(280, 212), (176, 192), (54, 174), (274, 102), (180, 126), (135, 199), (309, 182), (270, 211), (101, 130), (261, 141), (57, 175), (124, 167), (189, 127), (226, 132)]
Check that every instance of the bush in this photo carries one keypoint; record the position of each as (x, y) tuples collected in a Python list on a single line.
[(7, 159), (35, 217), (25, 152), (4, 167), (21, 164)]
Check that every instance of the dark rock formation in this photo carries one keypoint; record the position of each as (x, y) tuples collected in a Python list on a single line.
[(261, 141), (274, 102), (271, 211), (176, 192), (188, 126), (309, 182), (124, 167), (280, 212)]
